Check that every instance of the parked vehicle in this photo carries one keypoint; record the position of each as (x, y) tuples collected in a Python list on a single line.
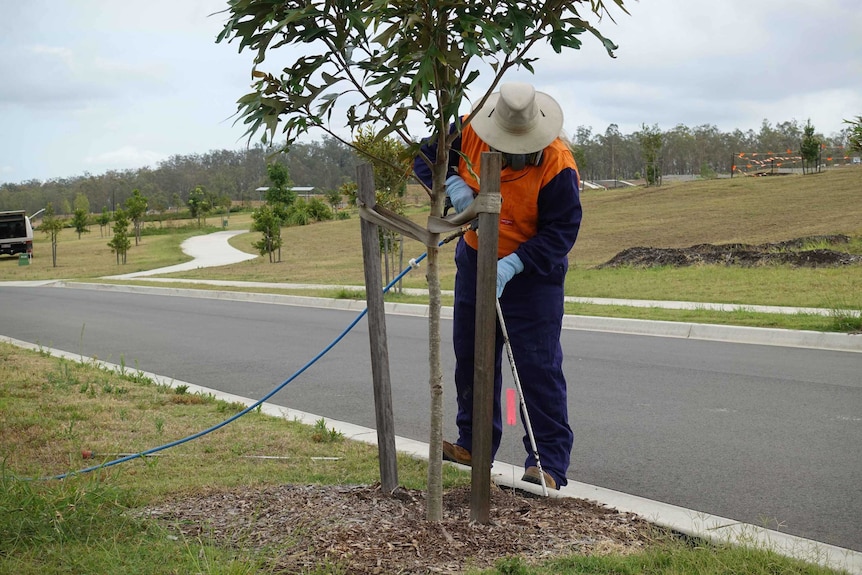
[(16, 233)]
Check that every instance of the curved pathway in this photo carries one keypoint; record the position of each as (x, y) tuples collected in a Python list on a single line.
[(208, 251)]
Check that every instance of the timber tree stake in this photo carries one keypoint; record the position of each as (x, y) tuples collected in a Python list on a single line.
[(377, 334), (488, 207)]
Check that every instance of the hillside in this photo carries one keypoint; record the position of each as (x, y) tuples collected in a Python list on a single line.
[(738, 210)]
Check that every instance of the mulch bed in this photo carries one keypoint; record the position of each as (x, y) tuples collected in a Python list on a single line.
[(364, 531), (790, 252)]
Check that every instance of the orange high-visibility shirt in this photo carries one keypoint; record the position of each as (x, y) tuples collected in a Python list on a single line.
[(519, 190)]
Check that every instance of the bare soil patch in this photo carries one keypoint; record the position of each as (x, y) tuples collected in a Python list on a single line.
[(364, 531), (791, 252)]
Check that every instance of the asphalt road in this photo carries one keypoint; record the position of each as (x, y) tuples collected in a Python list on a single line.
[(765, 435)]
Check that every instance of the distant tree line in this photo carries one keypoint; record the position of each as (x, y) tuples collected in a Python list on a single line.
[(701, 150), (329, 165), (235, 174)]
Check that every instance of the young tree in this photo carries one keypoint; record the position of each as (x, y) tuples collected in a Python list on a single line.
[(80, 219), (282, 206), (136, 208), (199, 204), (265, 221), (651, 140), (333, 198), (279, 194), (121, 242), (400, 60), (103, 220), (51, 226), (612, 142), (810, 149), (391, 170), (159, 204), (82, 203)]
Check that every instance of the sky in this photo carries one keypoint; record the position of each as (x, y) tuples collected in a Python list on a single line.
[(94, 85)]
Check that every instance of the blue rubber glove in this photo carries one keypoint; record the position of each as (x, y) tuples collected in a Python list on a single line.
[(507, 267), (459, 192)]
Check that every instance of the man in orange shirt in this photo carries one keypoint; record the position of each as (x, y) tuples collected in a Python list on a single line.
[(539, 222)]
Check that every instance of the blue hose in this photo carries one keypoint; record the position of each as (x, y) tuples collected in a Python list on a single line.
[(253, 406)]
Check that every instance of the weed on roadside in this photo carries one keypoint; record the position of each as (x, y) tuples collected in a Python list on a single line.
[(323, 435)]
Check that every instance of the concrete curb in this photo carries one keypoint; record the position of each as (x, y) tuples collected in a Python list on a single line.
[(693, 523), (715, 332)]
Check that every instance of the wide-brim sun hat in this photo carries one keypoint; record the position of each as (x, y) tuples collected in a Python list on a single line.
[(518, 119)]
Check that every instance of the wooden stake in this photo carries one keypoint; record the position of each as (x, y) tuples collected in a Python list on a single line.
[(377, 334), (486, 332)]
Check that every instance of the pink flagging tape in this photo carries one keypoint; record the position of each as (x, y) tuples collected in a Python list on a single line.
[(510, 406)]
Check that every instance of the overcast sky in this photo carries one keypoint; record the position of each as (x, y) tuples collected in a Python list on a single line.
[(93, 85)]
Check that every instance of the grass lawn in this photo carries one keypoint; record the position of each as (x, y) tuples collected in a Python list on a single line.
[(54, 411)]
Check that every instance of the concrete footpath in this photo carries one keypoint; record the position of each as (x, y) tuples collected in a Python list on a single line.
[(212, 250), (207, 251)]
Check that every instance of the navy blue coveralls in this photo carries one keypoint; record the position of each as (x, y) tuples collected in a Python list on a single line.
[(532, 301)]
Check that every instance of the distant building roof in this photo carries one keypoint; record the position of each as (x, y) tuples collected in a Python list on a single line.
[(298, 189)]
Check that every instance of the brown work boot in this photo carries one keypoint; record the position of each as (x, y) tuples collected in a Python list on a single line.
[(456, 453), (531, 475)]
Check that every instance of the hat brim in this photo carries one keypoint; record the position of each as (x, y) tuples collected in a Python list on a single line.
[(546, 130)]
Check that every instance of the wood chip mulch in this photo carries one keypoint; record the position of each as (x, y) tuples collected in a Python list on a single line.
[(363, 531)]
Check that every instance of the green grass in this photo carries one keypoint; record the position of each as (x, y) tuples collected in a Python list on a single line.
[(676, 557), (53, 410)]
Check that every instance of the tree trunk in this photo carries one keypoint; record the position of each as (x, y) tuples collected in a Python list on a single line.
[(435, 382), (434, 510)]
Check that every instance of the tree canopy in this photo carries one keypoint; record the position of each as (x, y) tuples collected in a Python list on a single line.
[(388, 60)]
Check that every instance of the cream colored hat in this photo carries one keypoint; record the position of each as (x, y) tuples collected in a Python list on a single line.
[(518, 119)]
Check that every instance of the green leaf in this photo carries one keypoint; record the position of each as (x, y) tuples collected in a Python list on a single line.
[(412, 63)]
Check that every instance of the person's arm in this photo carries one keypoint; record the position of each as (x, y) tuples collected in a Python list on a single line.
[(422, 169), (559, 222), (460, 194)]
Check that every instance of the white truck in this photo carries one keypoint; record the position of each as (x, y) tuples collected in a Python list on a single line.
[(16, 233)]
